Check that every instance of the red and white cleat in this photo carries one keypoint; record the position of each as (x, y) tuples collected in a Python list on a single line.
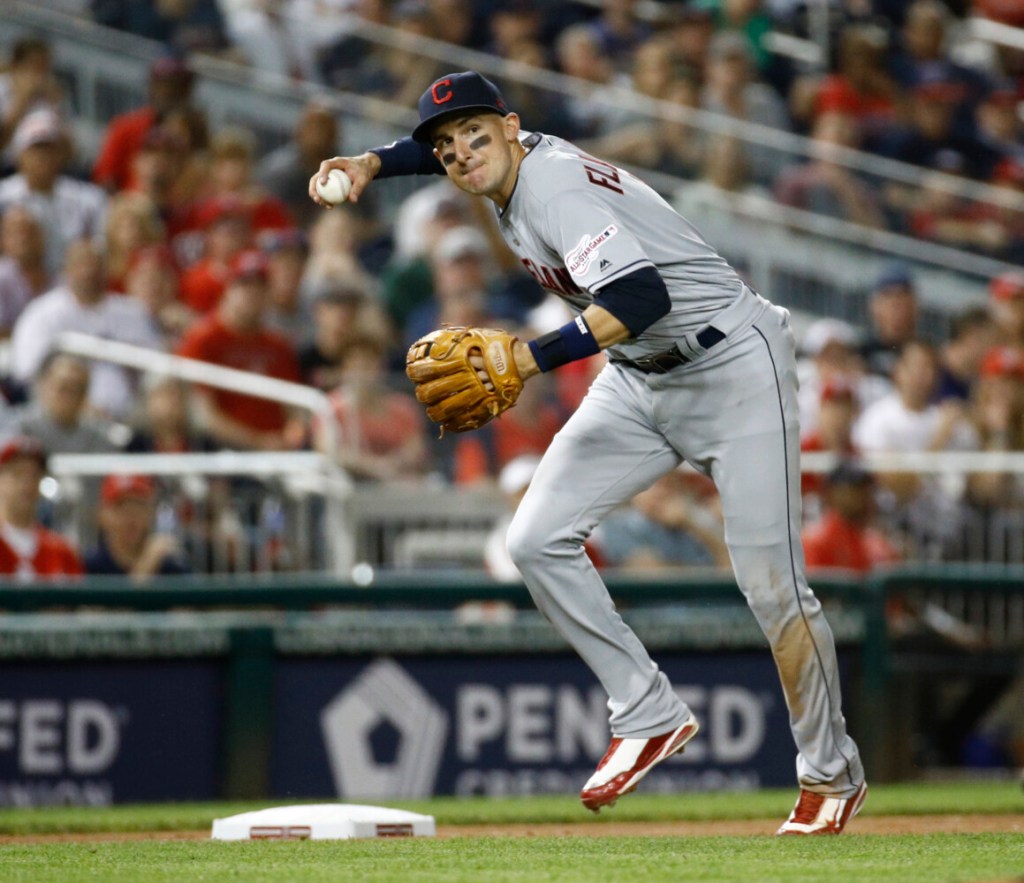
[(627, 761), (820, 814)]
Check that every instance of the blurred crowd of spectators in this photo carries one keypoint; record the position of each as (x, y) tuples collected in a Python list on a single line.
[(901, 79), (182, 239)]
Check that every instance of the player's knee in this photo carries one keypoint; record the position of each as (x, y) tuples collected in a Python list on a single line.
[(776, 592), (525, 542)]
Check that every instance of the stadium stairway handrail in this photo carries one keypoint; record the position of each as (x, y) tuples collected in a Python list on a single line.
[(285, 392)]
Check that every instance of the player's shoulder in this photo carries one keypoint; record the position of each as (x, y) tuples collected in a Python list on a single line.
[(552, 164), (558, 177)]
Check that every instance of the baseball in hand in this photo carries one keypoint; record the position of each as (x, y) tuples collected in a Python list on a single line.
[(337, 188)]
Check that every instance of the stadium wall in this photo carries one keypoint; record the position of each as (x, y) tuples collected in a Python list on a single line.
[(113, 693)]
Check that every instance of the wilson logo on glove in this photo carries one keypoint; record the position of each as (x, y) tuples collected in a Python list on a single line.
[(496, 355), (459, 394)]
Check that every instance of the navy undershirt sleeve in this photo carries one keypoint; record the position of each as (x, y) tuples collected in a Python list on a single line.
[(637, 300), (407, 157)]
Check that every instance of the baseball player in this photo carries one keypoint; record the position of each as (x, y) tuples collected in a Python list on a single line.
[(700, 368)]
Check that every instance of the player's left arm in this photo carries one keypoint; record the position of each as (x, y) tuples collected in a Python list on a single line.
[(622, 309), (603, 256)]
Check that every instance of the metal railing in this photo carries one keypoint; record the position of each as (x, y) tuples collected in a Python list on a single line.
[(140, 358), (395, 524), (231, 512), (398, 526), (995, 32), (284, 392)]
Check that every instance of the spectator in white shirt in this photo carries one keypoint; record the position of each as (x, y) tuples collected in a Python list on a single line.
[(829, 355), (83, 304), (66, 208), (908, 421), (23, 273)]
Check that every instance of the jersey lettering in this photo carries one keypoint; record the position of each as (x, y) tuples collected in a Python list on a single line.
[(602, 173), (555, 279)]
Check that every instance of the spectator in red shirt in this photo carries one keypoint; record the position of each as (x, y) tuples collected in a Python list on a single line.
[(380, 432), (188, 125), (132, 223), (862, 86), (228, 231), (157, 167), (234, 336), (834, 431), (1007, 305), (844, 537), (997, 411), (28, 551), (232, 155), (170, 86)]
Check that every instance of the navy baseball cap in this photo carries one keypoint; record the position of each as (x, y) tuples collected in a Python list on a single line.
[(850, 473), (466, 91), (895, 274)]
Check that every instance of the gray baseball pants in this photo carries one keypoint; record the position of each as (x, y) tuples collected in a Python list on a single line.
[(732, 414)]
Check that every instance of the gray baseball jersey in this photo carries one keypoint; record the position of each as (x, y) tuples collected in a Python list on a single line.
[(577, 224)]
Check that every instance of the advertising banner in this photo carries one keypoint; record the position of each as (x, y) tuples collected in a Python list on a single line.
[(100, 733), (415, 727)]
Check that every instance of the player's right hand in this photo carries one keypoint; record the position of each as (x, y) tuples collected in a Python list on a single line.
[(361, 170)]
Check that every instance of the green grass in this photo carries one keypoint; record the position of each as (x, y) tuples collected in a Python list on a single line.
[(527, 860), (945, 857)]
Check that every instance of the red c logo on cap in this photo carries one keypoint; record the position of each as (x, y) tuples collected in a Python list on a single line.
[(438, 97)]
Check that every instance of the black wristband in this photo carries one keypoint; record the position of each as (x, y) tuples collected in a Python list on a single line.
[(572, 341)]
